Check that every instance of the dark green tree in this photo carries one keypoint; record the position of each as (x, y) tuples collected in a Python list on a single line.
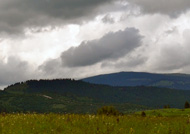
[(187, 105)]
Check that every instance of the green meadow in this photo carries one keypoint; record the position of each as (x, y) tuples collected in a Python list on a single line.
[(170, 112), (166, 121)]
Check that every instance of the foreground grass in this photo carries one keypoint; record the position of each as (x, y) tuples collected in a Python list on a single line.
[(90, 124)]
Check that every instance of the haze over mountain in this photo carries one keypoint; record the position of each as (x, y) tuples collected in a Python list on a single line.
[(174, 81)]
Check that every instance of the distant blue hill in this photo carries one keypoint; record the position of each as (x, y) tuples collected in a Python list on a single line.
[(174, 81)]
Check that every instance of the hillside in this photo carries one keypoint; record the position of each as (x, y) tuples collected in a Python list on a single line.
[(174, 81), (70, 96)]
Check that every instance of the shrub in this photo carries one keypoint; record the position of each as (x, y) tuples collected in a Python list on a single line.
[(108, 110), (166, 106), (187, 105), (143, 114)]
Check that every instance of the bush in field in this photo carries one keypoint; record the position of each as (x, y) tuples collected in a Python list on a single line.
[(187, 105), (166, 106), (143, 114), (108, 110)]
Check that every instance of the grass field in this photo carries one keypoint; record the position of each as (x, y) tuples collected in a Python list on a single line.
[(93, 124), (171, 112)]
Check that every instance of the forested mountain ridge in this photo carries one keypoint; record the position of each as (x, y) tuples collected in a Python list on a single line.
[(174, 81), (76, 96)]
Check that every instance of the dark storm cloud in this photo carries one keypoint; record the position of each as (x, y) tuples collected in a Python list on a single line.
[(111, 46), (170, 7), (15, 15)]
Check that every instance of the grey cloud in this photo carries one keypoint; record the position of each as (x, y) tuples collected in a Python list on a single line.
[(51, 66), (132, 62), (136, 59), (17, 14), (126, 63), (115, 56), (111, 46), (170, 7), (108, 19), (172, 58), (13, 71), (172, 30)]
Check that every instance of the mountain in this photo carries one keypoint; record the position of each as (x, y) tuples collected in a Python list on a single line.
[(174, 81), (71, 96)]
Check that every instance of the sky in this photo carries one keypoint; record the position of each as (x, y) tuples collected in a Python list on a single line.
[(46, 39)]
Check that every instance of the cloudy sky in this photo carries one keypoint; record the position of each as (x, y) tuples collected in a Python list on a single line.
[(44, 39)]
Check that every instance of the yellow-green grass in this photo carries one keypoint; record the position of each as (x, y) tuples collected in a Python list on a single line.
[(170, 112), (91, 124)]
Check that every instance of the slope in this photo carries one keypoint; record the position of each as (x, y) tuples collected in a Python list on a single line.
[(65, 95), (174, 81)]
